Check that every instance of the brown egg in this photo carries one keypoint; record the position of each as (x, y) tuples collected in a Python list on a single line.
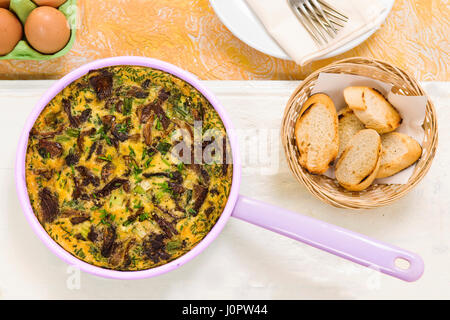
[(10, 31), (47, 30), (51, 3), (4, 4)]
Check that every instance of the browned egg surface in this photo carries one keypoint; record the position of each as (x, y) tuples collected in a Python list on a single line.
[(4, 4), (47, 30), (125, 168), (51, 3), (10, 31)]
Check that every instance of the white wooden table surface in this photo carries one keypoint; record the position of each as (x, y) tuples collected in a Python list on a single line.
[(245, 262)]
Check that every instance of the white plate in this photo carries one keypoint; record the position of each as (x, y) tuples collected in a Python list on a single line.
[(244, 24)]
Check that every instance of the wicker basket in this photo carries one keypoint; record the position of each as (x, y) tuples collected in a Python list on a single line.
[(328, 190)]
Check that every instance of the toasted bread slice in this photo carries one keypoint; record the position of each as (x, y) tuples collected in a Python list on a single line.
[(316, 133), (399, 152), (349, 125), (358, 166), (372, 109)]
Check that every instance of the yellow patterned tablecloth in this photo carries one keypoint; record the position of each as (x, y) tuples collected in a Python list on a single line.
[(187, 33)]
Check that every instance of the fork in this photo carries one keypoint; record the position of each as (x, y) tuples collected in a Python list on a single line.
[(320, 19)]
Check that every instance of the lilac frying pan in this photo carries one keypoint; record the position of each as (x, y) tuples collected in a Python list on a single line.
[(338, 241)]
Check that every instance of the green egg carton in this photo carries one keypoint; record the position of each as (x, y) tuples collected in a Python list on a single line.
[(23, 51)]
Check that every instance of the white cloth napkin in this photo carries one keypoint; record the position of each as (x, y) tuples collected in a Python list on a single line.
[(282, 24)]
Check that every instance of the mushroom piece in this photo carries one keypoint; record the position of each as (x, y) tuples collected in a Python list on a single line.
[(72, 159), (137, 92), (46, 174), (120, 251), (80, 139), (166, 226), (74, 122), (49, 205), (107, 170), (200, 194), (119, 131), (147, 131), (154, 247), (45, 135), (91, 150), (109, 236), (76, 217), (146, 111), (114, 184), (102, 84), (51, 148), (88, 176)]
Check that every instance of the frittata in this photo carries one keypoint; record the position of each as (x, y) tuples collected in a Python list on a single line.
[(128, 167)]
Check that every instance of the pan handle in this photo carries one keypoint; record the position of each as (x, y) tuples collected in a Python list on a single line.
[(333, 239)]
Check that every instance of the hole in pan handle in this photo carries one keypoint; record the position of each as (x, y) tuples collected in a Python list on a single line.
[(333, 239)]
